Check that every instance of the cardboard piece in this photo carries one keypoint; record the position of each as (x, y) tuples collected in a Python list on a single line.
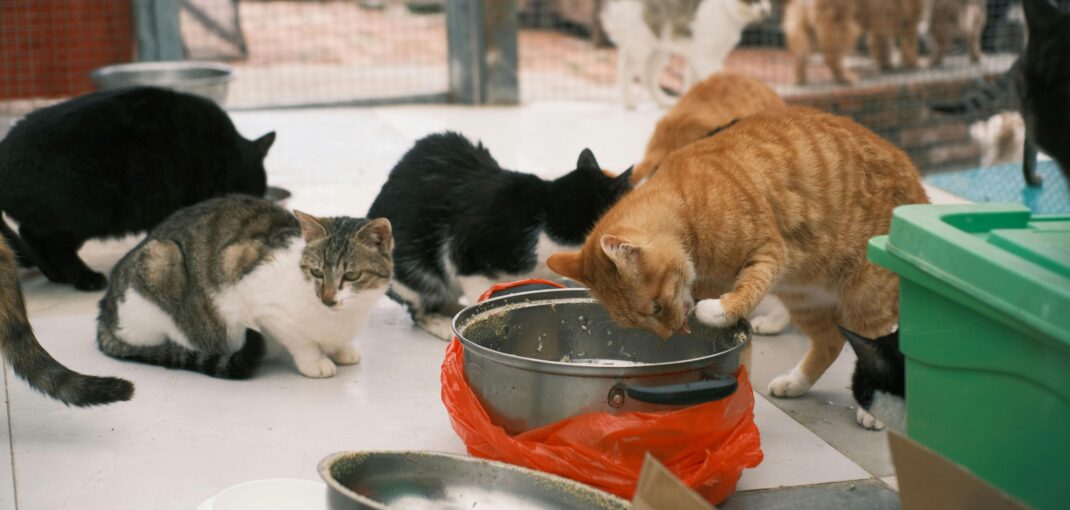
[(659, 489), (930, 480)]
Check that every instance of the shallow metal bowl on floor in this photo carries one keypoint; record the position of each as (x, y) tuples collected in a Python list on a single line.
[(208, 79), (378, 480)]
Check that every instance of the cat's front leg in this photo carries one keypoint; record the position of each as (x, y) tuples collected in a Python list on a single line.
[(752, 284), (307, 355), (311, 361)]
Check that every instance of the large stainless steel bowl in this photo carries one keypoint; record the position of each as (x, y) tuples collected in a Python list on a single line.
[(208, 79), (381, 480), (535, 358)]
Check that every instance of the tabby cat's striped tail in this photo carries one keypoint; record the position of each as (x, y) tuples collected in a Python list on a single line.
[(31, 362), (241, 364), (999, 92)]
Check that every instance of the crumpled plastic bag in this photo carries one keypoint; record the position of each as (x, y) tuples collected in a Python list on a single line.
[(706, 445)]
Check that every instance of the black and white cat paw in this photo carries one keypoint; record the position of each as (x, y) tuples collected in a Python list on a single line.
[(438, 325), (90, 281), (868, 421)]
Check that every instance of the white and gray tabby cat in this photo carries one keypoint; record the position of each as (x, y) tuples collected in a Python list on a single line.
[(207, 286)]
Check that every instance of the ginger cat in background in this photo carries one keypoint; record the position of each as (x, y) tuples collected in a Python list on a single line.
[(830, 25), (783, 201), (708, 105)]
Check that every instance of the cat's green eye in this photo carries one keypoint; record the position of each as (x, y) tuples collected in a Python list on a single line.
[(316, 272), (351, 276)]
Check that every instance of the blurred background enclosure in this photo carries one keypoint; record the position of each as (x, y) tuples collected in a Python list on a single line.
[(298, 53)]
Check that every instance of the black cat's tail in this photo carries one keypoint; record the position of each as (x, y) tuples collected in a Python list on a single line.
[(31, 362), (241, 364), (15, 243), (991, 95)]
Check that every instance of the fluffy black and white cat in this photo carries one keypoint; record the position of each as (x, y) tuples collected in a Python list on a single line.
[(114, 163), (879, 381), (462, 223), (207, 287), (1040, 78)]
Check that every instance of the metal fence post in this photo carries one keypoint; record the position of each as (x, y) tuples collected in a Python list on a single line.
[(158, 35), (482, 39)]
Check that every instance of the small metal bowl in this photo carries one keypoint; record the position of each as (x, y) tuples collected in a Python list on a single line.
[(378, 480), (208, 79)]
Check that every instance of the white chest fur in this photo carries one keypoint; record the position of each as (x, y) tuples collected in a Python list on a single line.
[(279, 301)]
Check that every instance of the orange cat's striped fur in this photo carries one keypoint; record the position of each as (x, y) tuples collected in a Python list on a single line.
[(708, 105), (784, 201)]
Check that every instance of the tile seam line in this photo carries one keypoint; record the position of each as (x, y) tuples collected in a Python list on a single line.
[(872, 475), (10, 438)]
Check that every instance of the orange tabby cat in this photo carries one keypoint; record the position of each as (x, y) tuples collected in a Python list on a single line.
[(708, 105), (783, 201)]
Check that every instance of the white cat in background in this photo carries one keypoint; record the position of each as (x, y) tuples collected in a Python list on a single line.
[(715, 31), (1001, 138)]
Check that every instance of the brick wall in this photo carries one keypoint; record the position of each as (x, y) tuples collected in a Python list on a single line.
[(899, 112)]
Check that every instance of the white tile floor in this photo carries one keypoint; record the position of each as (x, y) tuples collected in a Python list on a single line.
[(184, 437)]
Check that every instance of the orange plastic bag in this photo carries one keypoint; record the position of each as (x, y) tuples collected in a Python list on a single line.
[(707, 445)]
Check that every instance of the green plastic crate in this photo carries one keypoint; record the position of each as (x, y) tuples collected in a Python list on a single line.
[(985, 329)]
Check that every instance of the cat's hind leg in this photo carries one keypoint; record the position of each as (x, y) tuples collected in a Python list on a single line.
[(161, 350), (819, 324), (1029, 160), (57, 256), (431, 311), (771, 317)]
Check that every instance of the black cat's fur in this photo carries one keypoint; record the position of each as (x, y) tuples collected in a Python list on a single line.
[(879, 377), (1041, 79), (451, 204), (113, 163)]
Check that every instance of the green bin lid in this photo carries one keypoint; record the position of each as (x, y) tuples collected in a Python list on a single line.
[(999, 254)]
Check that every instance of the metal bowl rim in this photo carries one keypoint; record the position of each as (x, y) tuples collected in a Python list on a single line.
[(228, 72), (324, 468), (576, 369)]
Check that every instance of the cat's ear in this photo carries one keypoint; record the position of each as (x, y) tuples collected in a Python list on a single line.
[(567, 264), (863, 347), (312, 228), (626, 177), (587, 162), (378, 233), (264, 143), (621, 251)]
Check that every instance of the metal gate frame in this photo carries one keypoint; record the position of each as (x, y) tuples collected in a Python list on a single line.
[(481, 37)]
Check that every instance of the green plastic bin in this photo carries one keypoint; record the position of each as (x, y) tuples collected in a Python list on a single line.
[(985, 329)]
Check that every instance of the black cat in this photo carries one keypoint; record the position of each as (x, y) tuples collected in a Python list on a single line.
[(462, 223), (1041, 79), (879, 381), (113, 163)]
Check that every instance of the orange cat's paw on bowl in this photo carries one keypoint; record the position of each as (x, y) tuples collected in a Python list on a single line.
[(711, 313)]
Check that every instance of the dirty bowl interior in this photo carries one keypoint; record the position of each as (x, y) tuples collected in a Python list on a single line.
[(570, 329), (378, 480)]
